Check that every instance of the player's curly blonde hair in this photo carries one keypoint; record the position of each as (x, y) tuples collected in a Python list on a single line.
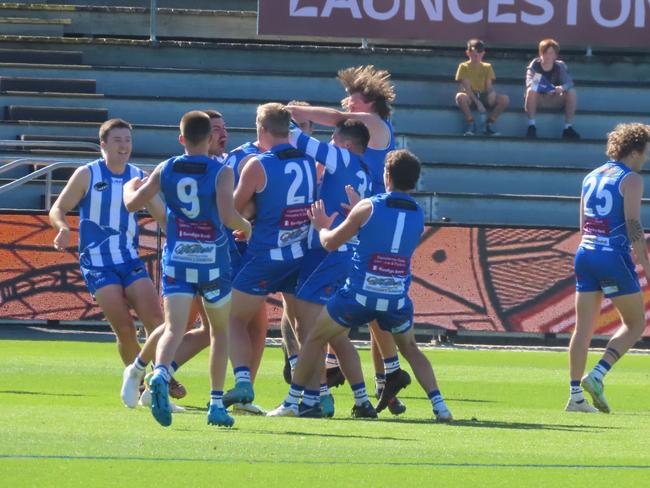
[(627, 138), (374, 86)]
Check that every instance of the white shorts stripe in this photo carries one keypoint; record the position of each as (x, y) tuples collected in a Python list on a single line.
[(361, 299), (213, 274), (382, 305), (192, 275)]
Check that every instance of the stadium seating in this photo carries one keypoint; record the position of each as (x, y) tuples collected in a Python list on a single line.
[(507, 180)]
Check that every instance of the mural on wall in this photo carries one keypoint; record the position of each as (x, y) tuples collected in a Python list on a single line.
[(465, 278)]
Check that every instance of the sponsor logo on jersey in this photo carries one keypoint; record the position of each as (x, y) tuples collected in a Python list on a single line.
[(100, 186), (389, 285), (194, 252)]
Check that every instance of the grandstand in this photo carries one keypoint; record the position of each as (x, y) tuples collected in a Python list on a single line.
[(71, 65)]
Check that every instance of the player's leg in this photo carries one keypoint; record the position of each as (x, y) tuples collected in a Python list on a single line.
[(289, 344), (387, 366), (244, 306), (257, 329), (423, 372), (177, 308), (218, 314), (631, 309), (110, 299), (144, 299)]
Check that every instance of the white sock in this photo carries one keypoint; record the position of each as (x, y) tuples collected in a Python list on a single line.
[(531, 121)]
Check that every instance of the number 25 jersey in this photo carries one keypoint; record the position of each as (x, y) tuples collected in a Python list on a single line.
[(603, 227)]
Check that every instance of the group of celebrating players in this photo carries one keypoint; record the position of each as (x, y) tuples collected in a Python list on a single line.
[(330, 226)]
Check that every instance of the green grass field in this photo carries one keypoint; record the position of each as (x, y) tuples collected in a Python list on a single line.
[(62, 424)]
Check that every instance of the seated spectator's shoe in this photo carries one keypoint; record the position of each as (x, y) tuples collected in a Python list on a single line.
[(570, 133), (219, 416), (247, 409), (284, 411), (335, 377), (131, 380), (160, 405), (241, 393), (443, 416), (531, 132), (364, 411), (471, 129), (286, 372), (176, 389), (395, 381), (313, 412), (580, 406), (489, 130), (327, 405)]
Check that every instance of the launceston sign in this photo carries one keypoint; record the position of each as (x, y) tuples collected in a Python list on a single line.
[(616, 23)]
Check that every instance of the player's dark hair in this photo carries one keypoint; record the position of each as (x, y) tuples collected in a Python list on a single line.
[(111, 124), (195, 127), (627, 138), (356, 131), (403, 168)]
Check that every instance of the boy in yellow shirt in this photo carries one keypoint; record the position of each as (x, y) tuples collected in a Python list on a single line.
[(476, 90)]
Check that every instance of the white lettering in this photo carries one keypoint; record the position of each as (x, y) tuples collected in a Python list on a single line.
[(369, 7), (294, 11), (461, 16), (351, 5), (434, 12), (540, 19), (572, 12), (626, 6), (495, 17), (639, 14)]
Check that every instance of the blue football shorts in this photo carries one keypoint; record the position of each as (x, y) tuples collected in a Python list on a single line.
[(611, 272), (120, 274)]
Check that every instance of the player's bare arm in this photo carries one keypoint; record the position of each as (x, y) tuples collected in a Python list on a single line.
[(69, 198), (156, 207), (225, 203), (138, 192), (253, 179), (332, 239), (632, 188)]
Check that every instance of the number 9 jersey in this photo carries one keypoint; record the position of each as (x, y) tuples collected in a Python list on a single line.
[(196, 250), (603, 224)]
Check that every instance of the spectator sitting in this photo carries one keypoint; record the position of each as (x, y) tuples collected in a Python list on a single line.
[(549, 85), (476, 89)]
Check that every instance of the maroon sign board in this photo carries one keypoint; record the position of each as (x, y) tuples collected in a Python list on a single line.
[(610, 23)]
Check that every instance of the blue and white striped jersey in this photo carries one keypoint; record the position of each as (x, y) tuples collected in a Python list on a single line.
[(237, 155), (342, 168), (281, 220), (108, 232), (196, 249), (603, 209)]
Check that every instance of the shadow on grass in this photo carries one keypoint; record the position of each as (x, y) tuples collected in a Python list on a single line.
[(40, 393), (493, 424), (331, 436), (461, 400)]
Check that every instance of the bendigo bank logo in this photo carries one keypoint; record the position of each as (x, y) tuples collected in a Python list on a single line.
[(100, 186)]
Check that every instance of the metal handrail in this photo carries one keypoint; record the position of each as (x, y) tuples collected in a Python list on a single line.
[(50, 144), (47, 171)]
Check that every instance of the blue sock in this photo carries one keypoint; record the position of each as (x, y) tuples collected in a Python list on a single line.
[(174, 366), (216, 398), (242, 374), (293, 397), (331, 361), (324, 390), (293, 360), (576, 391), (391, 365), (360, 393), (380, 380), (437, 401)]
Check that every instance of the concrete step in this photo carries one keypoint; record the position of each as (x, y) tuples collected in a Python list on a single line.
[(318, 88), (40, 56), (515, 210), (58, 85), (63, 114), (196, 4), (407, 119), (28, 26), (323, 59)]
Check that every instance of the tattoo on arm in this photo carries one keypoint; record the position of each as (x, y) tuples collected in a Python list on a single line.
[(634, 230)]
